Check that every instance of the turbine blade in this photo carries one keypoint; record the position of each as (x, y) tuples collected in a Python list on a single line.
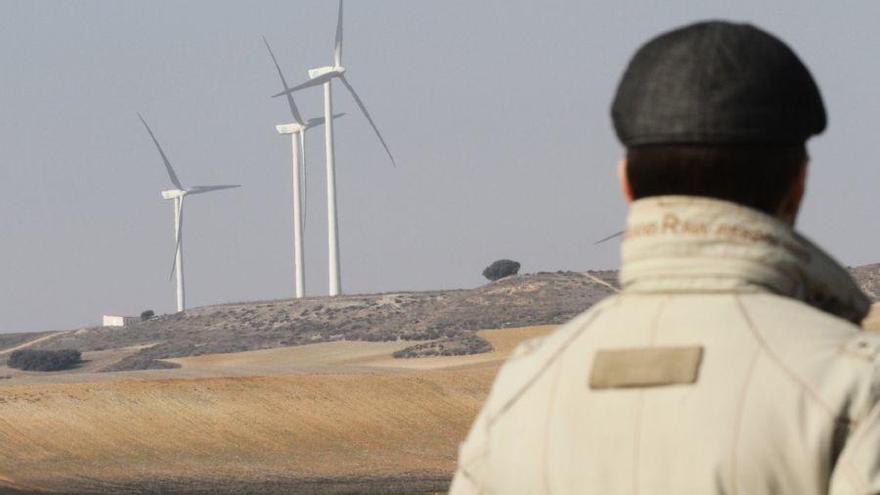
[(171, 174), (363, 108), (319, 121), (612, 236), (294, 111), (337, 51), (177, 237), (308, 84), (204, 189)]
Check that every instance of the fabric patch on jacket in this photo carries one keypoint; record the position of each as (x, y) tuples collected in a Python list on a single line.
[(646, 367)]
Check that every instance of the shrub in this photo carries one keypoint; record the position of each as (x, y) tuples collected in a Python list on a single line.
[(457, 346), (34, 360), (146, 315), (138, 362), (500, 269)]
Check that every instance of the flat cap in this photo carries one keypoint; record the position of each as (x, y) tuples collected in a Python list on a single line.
[(717, 82)]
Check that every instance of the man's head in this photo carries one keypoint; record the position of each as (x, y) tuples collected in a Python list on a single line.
[(720, 110)]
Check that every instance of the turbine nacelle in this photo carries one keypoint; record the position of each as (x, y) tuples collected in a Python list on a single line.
[(292, 128), (329, 72), (173, 193), (317, 77), (296, 128)]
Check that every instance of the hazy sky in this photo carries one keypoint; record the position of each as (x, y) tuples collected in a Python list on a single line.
[(497, 111)]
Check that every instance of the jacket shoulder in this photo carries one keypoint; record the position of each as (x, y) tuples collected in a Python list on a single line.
[(835, 360), (530, 360)]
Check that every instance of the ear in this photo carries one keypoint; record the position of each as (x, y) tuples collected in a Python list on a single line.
[(791, 205), (622, 176)]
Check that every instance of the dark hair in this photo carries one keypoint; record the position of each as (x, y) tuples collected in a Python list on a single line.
[(758, 176)]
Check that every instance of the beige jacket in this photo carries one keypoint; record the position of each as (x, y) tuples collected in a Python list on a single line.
[(728, 364)]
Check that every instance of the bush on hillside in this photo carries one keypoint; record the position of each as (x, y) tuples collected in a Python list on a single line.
[(146, 315), (34, 360), (500, 269), (461, 345), (138, 362)]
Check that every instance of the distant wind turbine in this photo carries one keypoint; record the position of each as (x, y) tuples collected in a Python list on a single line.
[(325, 76), (606, 239), (177, 196), (297, 130)]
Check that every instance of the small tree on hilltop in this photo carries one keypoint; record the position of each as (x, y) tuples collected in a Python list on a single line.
[(146, 315), (500, 269)]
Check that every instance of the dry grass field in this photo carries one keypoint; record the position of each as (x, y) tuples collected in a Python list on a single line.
[(298, 358), (324, 418)]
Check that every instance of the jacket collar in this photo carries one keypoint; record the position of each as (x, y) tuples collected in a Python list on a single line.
[(695, 244)]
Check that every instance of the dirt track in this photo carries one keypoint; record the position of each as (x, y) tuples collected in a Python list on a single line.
[(29, 343)]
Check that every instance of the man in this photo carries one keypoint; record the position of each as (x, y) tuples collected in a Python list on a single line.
[(731, 361)]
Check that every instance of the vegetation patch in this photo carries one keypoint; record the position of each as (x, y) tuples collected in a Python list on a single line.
[(36, 360), (461, 345), (500, 269), (140, 362)]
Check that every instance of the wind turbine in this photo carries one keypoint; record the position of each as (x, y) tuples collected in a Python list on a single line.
[(612, 236), (325, 76), (297, 130), (177, 195)]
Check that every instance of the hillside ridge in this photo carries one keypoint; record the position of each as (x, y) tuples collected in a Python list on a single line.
[(437, 322)]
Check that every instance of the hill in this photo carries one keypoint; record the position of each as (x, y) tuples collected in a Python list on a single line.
[(448, 318), (868, 278), (435, 322)]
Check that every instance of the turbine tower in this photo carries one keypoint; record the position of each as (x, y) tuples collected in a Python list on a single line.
[(297, 131), (325, 76), (177, 195)]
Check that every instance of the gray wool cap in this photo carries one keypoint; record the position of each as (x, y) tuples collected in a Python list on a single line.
[(717, 83)]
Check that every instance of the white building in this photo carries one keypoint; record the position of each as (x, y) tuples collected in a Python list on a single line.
[(119, 321)]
